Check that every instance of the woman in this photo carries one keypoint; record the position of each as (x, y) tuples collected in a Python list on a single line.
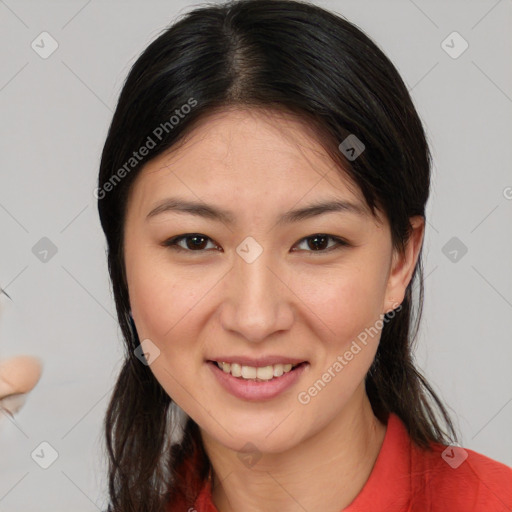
[(262, 190)]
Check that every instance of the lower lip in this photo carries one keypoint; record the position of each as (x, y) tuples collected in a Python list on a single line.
[(256, 390)]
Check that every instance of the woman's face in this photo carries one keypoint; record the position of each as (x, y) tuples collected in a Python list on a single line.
[(257, 282)]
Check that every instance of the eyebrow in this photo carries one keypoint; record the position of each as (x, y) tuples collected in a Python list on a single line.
[(207, 211)]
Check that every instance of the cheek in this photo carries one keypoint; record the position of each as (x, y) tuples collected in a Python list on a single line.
[(165, 308), (344, 300), (161, 298), (169, 309)]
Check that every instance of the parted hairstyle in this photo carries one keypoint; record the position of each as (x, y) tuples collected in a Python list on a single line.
[(289, 56)]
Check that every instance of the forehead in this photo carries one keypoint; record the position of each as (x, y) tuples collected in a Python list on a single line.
[(251, 157)]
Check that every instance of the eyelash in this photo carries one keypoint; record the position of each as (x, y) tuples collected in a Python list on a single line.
[(171, 243)]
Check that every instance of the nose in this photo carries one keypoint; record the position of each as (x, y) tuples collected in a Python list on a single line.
[(257, 302)]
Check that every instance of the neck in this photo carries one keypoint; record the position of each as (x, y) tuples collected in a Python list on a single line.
[(324, 473)]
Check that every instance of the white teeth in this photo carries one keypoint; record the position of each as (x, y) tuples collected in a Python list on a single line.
[(265, 373), (278, 370), (236, 370), (251, 372)]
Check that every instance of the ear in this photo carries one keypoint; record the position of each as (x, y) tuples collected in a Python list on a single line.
[(402, 265)]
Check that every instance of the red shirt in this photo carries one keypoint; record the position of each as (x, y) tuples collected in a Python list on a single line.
[(406, 478)]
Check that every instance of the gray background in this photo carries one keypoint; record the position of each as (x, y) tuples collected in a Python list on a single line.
[(55, 113)]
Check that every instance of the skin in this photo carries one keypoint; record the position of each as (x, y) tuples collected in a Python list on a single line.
[(18, 376), (303, 303)]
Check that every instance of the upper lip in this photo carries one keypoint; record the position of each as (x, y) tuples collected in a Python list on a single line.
[(258, 361)]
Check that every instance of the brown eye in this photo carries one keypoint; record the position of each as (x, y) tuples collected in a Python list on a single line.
[(319, 243), (193, 242)]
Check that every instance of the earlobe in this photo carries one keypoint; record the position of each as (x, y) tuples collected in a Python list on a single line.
[(403, 265)]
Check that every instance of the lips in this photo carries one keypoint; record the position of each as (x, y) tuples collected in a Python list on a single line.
[(257, 389)]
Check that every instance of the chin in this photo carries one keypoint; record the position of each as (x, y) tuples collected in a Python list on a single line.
[(262, 437)]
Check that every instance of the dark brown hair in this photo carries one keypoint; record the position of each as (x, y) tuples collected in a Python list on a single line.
[(282, 55)]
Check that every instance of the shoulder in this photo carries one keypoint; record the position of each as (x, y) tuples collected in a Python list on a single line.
[(456, 478)]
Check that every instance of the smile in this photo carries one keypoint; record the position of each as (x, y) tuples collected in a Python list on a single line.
[(256, 383), (262, 373)]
